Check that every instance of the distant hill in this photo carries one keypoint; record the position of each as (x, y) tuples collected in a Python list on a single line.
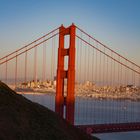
[(21, 119)]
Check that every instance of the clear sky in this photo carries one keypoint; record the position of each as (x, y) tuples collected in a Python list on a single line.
[(116, 23)]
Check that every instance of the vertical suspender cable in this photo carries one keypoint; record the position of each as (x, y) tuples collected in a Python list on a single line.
[(35, 64), (119, 88), (92, 61), (100, 61), (80, 59), (85, 64), (88, 59), (92, 73), (44, 62), (114, 80), (104, 68), (121, 83), (52, 58), (103, 83), (77, 59), (96, 73), (25, 80), (111, 70), (134, 84), (108, 90), (16, 71), (6, 71), (77, 101), (112, 111), (99, 82), (126, 83)]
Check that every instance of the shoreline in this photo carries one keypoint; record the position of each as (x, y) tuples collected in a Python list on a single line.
[(96, 97)]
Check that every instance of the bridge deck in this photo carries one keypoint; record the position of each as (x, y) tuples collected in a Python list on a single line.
[(108, 128)]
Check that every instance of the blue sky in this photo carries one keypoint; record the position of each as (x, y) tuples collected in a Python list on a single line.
[(114, 22)]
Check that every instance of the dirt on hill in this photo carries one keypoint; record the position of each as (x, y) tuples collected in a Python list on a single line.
[(21, 119)]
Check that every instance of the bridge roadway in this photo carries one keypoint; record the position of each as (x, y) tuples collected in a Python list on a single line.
[(109, 128)]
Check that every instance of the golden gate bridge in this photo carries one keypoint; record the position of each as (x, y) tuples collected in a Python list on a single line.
[(96, 87)]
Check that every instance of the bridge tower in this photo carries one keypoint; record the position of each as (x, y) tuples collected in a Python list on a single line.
[(61, 100)]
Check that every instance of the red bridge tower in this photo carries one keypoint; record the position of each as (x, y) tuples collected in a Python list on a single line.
[(68, 74)]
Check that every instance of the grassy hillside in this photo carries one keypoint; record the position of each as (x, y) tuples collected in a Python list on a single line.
[(21, 119)]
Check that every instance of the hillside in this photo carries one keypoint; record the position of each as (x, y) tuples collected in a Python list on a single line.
[(21, 119)]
